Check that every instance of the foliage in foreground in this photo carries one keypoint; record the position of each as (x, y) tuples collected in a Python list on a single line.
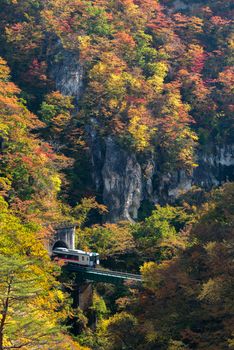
[(188, 300), (32, 304)]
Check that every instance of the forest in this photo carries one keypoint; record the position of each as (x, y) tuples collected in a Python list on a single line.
[(116, 116)]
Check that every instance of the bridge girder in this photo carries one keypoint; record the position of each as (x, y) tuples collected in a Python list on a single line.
[(104, 276)]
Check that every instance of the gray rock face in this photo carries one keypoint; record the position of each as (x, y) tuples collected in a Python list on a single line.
[(122, 183), (119, 177), (126, 182), (97, 154), (67, 72), (181, 5), (215, 167)]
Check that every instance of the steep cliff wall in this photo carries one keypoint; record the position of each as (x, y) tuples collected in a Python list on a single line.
[(126, 182), (123, 180), (66, 71)]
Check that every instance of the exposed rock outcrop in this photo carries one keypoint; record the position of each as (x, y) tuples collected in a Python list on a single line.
[(215, 167), (126, 182), (123, 181), (67, 72)]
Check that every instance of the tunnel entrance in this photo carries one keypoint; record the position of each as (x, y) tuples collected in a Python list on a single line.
[(60, 244)]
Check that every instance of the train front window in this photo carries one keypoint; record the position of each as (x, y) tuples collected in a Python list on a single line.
[(95, 259)]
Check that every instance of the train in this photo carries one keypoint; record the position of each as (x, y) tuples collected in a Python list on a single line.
[(75, 256)]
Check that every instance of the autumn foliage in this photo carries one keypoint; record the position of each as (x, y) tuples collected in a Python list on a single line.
[(158, 78)]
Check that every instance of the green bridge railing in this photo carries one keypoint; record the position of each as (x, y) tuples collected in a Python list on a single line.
[(105, 276)]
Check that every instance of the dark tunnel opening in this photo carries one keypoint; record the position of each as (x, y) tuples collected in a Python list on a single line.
[(60, 244)]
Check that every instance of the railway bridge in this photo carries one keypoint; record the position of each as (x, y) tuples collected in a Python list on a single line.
[(103, 275), (64, 236), (85, 276)]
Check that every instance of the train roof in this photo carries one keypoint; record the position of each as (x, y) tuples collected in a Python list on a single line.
[(74, 251)]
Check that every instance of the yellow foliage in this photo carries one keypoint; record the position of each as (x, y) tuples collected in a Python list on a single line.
[(98, 70), (115, 85), (151, 274), (140, 133), (56, 181), (139, 130), (84, 41), (4, 69), (157, 80)]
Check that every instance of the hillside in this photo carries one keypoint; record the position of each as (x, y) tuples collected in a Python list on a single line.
[(117, 116)]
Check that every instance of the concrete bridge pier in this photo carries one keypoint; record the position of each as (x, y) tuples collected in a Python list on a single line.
[(82, 296), (82, 293), (85, 296)]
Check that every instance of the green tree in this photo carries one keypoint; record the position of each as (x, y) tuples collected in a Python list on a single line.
[(193, 293), (32, 304), (24, 321), (160, 235), (120, 331), (109, 239)]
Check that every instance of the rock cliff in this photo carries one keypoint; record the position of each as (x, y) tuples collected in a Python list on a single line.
[(126, 182), (123, 180), (66, 71)]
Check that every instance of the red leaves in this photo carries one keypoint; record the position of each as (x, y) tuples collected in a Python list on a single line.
[(159, 22), (199, 62), (17, 27), (64, 26), (148, 5), (135, 100), (124, 38), (37, 70), (219, 21), (227, 77)]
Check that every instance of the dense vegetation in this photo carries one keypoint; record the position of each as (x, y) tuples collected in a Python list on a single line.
[(159, 80)]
